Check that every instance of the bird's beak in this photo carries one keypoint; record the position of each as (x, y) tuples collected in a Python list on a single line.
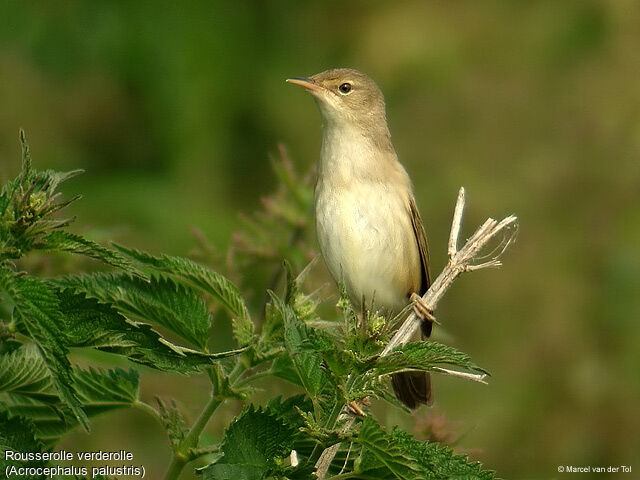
[(305, 83)]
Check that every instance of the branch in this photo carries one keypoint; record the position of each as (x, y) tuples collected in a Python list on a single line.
[(460, 261)]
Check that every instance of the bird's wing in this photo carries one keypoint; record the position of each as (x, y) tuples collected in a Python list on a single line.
[(421, 238)]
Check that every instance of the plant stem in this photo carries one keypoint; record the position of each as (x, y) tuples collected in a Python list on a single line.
[(145, 407), (332, 419), (183, 454)]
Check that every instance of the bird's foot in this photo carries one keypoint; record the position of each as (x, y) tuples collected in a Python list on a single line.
[(422, 310), (355, 409)]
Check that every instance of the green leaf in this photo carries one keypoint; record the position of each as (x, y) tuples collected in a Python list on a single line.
[(160, 300), (26, 155), (284, 368), (70, 242), (288, 408), (256, 439), (89, 323), (296, 334), (17, 434), (37, 306), (23, 372), (207, 281), (26, 390), (224, 471), (399, 455), (104, 390), (438, 460), (384, 453), (423, 356)]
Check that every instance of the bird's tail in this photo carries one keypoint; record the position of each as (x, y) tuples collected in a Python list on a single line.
[(412, 388)]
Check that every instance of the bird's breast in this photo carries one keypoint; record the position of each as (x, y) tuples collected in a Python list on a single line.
[(367, 240)]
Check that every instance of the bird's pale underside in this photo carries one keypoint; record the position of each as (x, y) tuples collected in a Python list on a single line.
[(368, 226)]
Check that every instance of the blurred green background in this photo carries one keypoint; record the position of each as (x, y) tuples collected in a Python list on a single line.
[(173, 108)]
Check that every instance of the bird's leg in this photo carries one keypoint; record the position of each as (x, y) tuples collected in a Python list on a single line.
[(421, 309)]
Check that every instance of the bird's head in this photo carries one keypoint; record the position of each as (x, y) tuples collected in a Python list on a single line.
[(346, 96)]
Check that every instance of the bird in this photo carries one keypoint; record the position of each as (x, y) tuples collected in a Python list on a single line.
[(368, 226)]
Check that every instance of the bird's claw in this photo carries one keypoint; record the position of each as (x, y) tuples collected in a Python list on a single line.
[(422, 310)]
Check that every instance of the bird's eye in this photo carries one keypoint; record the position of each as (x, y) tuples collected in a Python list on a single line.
[(345, 88)]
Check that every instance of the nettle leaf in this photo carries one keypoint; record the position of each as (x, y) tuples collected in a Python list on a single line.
[(288, 409), (23, 372), (380, 453), (399, 455), (284, 368), (35, 398), (423, 356), (159, 300), (207, 281), (308, 365), (18, 435), (253, 443), (50, 420), (103, 390), (37, 306), (438, 460), (89, 323), (70, 242)]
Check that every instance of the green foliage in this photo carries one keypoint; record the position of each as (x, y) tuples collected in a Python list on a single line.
[(17, 434), (423, 356), (399, 455), (438, 461), (307, 364), (205, 280), (70, 242), (27, 390), (174, 306), (37, 308), (259, 442), (89, 323), (155, 311), (173, 421)]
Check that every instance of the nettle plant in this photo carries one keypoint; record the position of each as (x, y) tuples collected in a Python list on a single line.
[(156, 311)]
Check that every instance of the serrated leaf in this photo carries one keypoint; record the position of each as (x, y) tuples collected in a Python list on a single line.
[(284, 368), (224, 471), (89, 323), (384, 453), (70, 242), (256, 437), (17, 434), (252, 444), (23, 372), (207, 281), (160, 300), (103, 390), (38, 308), (35, 397), (259, 437), (423, 356), (439, 460), (288, 408), (308, 365)]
